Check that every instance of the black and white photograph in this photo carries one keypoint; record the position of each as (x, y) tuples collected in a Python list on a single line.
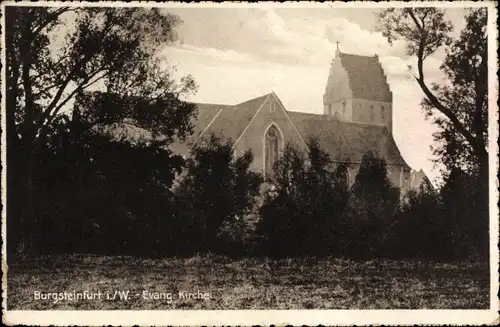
[(249, 163)]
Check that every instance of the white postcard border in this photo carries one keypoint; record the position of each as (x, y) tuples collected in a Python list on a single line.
[(283, 317)]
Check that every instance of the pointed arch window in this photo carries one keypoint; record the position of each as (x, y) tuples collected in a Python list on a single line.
[(382, 113), (273, 142), (372, 114)]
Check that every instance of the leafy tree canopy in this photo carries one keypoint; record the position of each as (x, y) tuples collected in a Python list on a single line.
[(458, 106)]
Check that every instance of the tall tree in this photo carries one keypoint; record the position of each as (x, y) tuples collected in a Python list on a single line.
[(56, 53), (459, 106)]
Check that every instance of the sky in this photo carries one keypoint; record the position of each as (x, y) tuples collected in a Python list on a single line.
[(235, 54)]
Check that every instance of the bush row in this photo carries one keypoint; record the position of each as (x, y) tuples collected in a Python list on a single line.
[(123, 199)]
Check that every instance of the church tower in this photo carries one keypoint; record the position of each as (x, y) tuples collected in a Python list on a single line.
[(357, 90)]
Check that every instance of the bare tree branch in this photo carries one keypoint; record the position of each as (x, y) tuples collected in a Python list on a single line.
[(51, 18), (79, 88), (471, 139)]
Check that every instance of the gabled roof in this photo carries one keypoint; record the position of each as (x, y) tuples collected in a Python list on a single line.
[(223, 120), (366, 77), (342, 140), (232, 120), (206, 113), (346, 140)]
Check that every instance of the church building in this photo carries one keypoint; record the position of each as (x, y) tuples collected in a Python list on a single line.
[(357, 118)]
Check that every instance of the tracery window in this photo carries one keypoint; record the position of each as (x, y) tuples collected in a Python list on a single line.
[(272, 147)]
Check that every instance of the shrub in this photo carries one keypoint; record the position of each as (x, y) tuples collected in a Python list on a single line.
[(305, 198), (217, 188), (419, 230), (448, 224), (373, 203), (465, 210)]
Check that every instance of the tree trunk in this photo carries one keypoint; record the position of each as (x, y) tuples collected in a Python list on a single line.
[(27, 155), (484, 208), (15, 221), (20, 196), (24, 202)]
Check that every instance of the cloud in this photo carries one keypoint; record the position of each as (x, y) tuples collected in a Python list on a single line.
[(287, 36), (400, 69), (207, 54), (308, 41)]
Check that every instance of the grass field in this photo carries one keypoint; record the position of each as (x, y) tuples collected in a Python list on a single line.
[(248, 283)]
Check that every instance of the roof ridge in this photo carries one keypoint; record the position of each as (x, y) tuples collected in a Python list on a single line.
[(358, 55), (340, 121), (263, 97), (211, 104), (304, 113)]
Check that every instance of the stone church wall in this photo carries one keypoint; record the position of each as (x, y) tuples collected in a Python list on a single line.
[(337, 91), (254, 137), (361, 112)]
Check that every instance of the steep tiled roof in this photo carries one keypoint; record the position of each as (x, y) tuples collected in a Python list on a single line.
[(343, 140), (232, 120), (223, 120), (366, 77), (205, 114), (348, 141)]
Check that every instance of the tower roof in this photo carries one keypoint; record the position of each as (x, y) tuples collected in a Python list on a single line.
[(366, 77)]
